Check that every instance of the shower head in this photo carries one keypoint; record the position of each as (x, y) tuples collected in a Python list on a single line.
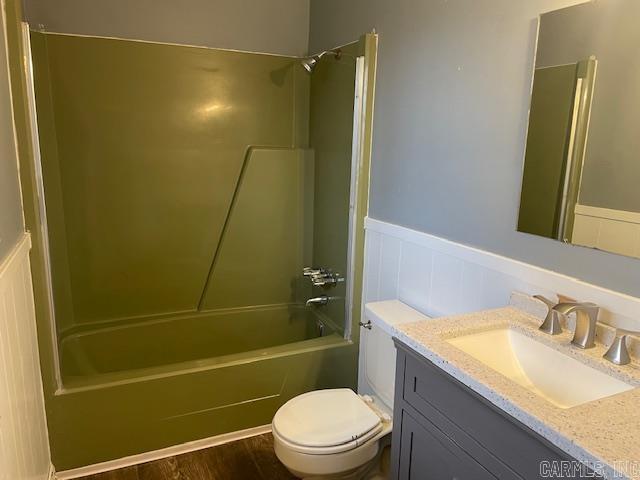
[(310, 63)]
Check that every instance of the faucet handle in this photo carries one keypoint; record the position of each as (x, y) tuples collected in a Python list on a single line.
[(551, 324), (618, 352), (545, 300), (326, 278), (312, 271)]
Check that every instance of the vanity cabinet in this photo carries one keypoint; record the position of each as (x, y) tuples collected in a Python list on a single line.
[(445, 431), (445, 459)]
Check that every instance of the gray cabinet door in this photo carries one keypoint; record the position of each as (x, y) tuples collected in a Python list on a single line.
[(427, 454)]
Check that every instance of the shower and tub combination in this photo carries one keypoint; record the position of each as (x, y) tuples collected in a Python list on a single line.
[(201, 223)]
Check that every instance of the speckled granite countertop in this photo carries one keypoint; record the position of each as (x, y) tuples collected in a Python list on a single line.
[(604, 432)]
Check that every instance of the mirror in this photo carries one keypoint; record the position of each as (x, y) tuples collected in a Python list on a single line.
[(581, 177)]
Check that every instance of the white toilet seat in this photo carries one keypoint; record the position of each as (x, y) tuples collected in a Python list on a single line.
[(343, 447), (332, 420), (327, 432)]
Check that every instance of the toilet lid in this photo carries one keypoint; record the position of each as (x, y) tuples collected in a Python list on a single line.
[(325, 418)]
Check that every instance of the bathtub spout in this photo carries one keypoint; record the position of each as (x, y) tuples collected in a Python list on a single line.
[(321, 300)]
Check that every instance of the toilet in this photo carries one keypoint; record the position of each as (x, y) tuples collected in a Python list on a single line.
[(328, 433), (337, 433)]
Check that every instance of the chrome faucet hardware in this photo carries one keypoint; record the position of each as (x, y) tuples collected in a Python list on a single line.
[(586, 320), (320, 326), (618, 352), (321, 277), (318, 301), (311, 271), (551, 324), (326, 280)]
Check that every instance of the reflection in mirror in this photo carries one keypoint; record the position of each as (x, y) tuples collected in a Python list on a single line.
[(582, 165)]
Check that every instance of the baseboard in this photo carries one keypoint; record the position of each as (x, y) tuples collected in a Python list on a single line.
[(160, 454)]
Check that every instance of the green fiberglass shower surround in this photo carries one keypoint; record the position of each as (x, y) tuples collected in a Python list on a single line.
[(186, 190)]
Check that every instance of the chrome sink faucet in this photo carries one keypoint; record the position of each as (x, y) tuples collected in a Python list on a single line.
[(586, 321)]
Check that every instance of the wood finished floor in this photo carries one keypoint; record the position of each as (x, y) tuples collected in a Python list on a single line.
[(248, 459)]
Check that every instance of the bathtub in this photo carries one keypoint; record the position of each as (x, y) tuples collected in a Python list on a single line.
[(138, 387)]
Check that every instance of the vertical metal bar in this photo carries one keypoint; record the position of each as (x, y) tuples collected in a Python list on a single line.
[(587, 71), (356, 166), (570, 160), (44, 229)]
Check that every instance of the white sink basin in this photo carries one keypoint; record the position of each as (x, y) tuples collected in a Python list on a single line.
[(558, 378)]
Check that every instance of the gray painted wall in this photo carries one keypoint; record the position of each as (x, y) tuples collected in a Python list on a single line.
[(11, 223), (609, 30), (452, 99), (274, 26)]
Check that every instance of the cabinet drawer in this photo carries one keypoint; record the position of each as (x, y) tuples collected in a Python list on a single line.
[(472, 419), (427, 454)]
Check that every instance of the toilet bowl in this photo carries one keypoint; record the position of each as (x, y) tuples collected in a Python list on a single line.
[(329, 433)]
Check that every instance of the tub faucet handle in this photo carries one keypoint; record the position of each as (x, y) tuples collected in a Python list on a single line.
[(312, 271), (327, 279)]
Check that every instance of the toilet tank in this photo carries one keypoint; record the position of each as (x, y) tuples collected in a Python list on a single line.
[(377, 360)]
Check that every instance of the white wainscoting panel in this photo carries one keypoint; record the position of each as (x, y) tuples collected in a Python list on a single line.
[(438, 277), (24, 444), (614, 231)]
